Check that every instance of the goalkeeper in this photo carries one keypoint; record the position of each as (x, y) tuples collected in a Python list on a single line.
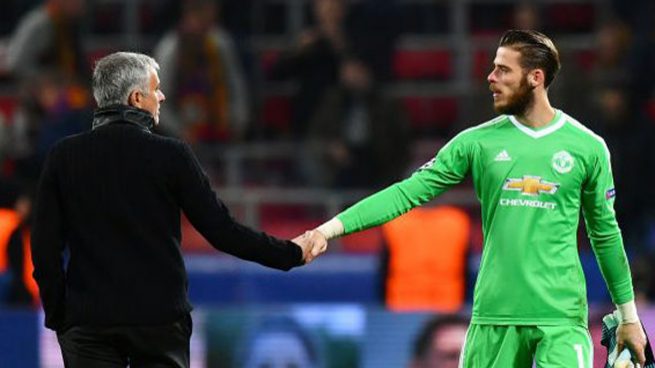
[(533, 169)]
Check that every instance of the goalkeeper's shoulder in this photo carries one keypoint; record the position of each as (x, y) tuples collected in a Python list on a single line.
[(476, 132)]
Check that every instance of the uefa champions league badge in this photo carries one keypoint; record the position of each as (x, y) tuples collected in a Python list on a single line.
[(562, 162)]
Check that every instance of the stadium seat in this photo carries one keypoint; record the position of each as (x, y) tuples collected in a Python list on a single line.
[(585, 59), (276, 113), (571, 17), (97, 53), (288, 228), (429, 115), (650, 109), (423, 64), (490, 19), (8, 106), (267, 59), (482, 63), (367, 241), (192, 241)]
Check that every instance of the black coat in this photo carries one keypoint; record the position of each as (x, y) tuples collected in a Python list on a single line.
[(112, 197)]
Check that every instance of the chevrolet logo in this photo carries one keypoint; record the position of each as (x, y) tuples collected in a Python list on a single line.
[(531, 185)]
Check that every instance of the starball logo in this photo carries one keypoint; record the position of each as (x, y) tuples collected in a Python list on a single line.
[(530, 186)]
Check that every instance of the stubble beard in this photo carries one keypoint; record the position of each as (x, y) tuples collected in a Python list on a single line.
[(519, 102)]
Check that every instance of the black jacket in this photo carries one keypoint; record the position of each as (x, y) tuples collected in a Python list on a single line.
[(112, 197)]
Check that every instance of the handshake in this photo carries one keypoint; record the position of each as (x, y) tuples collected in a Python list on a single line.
[(313, 243)]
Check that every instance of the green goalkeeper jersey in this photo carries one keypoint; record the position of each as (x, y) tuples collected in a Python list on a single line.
[(531, 184)]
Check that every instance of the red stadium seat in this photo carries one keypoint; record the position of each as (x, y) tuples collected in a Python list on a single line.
[(650, 109), (96, 54), (428, 113), (423, 64), (565, 17), (267, 59), (276, 113), (585, 59), (476, 236), (288, 228), (8, 105), (192, 241), (482, 64), (367, 241)]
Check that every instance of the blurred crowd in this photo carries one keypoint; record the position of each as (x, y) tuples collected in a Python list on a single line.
[(344, 104)]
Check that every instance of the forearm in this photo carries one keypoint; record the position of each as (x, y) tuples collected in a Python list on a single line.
[(212, 219), (614, 266), (248, 244), (387, 204)]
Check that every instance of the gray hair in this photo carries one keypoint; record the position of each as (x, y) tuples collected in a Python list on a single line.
[(116, 75)]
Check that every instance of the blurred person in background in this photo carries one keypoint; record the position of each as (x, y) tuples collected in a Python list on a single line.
[(629, 136), (49, 37), (526, 16), (358, 138), (46, 57), (534, 169), (106, 231), (440, 342), (22, 290), (315, 61), (208, 100), (50, 109), (10, 218), (15, 254), (278, 342), (423, 268), (611, 65)]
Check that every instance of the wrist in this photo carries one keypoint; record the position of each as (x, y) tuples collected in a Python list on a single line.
[(627, 312), (331, 229)]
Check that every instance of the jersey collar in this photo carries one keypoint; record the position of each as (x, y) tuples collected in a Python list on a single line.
[(558, 122)]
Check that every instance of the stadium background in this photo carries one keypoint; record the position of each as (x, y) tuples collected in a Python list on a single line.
[(428, 57)]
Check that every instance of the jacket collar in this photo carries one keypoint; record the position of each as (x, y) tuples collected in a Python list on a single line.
[(123, 114)]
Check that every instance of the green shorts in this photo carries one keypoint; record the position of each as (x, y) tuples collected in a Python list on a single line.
[(497, 346)]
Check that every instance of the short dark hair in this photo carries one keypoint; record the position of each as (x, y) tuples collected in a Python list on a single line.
[(537, 51)]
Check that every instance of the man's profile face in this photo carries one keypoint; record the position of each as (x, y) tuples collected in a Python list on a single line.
[(151, 101), (512, 93)]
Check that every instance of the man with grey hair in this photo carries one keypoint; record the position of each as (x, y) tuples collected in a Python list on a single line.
[(110, 199)]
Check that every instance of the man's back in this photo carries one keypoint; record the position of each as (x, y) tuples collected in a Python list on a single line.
[(121, 219), (113, 196)]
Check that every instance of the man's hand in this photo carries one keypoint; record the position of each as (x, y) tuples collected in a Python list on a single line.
[(631, 335), (312, 243)]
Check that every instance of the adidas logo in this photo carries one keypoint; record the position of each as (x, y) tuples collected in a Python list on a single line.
[(503, 156)]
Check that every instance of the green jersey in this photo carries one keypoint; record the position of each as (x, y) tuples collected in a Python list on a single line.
[(531, 184)]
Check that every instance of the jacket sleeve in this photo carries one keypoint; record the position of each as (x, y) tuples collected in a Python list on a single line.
[(603, 230), (212, 219), (449, 167), (47, 244)]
